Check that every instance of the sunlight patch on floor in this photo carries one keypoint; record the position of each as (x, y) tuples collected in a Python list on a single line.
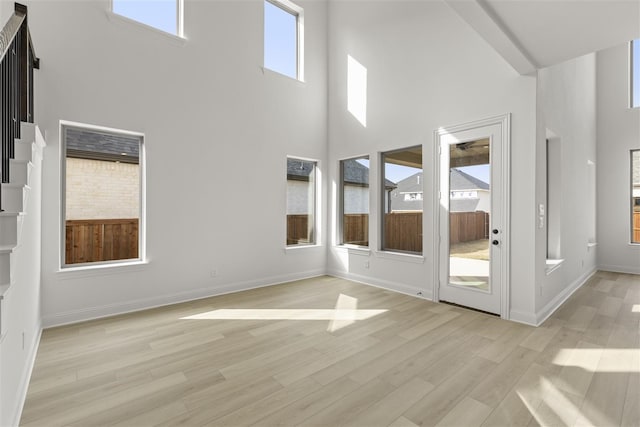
[(614, 360)]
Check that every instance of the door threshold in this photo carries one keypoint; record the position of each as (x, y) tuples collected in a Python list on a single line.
[(469, 308)]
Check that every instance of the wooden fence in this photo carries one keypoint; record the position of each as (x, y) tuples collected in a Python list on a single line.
[(468, 226), (298, 230), (403, 231), (355, 229), (636, 227), (94, 240)]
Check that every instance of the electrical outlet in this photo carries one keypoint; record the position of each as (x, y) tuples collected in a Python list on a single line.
[(214, 273), (366, 264)]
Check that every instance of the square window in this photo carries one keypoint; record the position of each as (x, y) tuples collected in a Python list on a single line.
[(164, 15), (301, 202), (283, 38)]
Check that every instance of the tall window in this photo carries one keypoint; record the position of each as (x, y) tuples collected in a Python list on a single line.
[(301, 202), (635, 196), (283, 36), (554, 197), (635, 73), (102, 191), (402, 200), (354, 178), (165, 15)]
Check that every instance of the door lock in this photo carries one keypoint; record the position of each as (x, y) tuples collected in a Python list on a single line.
[(495, 242), (495, 231)]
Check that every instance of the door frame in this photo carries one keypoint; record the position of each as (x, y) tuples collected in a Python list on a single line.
[(504, 121)]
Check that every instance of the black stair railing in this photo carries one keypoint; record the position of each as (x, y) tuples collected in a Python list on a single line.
[(17, 61)]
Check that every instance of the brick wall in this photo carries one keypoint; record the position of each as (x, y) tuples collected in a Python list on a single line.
[(102, 190)]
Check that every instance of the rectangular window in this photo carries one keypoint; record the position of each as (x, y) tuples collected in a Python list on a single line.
[(634, 73), (164, 15), (102, 195), (283, 35), (354, 178), (402, 216), (301, 202), (554, 197), (635, 196)]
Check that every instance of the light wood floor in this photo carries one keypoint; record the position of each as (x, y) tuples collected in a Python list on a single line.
[(242, 360)]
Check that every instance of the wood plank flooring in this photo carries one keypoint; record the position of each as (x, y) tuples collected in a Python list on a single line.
[(285, 356)]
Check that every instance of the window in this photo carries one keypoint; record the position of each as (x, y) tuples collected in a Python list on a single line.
[(402, 204), (354, 178), (301, 202), (283, 36), (102, 195), (554, 197), (165, 15), (635, 73), (635, 196)]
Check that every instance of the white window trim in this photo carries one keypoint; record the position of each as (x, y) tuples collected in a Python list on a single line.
[(631, 88), (179, 36), (631, 199), (142, 238), (340, 220), (317, 206), (298, 12)]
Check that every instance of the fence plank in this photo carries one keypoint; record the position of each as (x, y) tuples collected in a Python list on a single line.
[(96, 240), (355, 229), (636, 227)]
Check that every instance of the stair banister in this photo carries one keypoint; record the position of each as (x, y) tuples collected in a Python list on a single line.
[(17, 61)]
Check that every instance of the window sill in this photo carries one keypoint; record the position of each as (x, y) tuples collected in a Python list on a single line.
[(552, 265), (102, 269), (132, 23), (400, 256), (296, 248), (358, 250)]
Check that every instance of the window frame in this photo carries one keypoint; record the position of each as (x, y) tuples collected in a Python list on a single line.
[(382, 206), (141, 259), (179, 19), (632, 62), (632, 200), (298, 13), (315, 230), (340, 228)]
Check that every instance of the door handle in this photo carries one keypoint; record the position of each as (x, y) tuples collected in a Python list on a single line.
[(495, 231), (495, 242)]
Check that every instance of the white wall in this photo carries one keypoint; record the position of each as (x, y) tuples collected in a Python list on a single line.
[(618, 133), (566, 104), (356, 199), (426, 68), (217, 130)]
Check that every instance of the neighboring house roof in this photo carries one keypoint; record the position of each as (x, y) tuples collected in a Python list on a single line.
[(463, 181), (299, 170), (411, 184), (356, 173), (89, 144)]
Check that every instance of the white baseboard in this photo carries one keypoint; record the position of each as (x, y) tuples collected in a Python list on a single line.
[(620, 269), (556, 302), (383, 284), (91, 313), (25, 378), (523, 317)]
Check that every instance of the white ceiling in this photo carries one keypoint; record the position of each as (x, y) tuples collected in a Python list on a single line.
[(532, 34)]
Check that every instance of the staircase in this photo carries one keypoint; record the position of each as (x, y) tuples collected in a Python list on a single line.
[(15, 203)]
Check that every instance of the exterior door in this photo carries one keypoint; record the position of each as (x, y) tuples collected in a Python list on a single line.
[(473, 216)]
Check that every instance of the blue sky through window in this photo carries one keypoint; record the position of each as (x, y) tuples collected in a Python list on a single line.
[(635, 73), (280, 40), (160, 14)]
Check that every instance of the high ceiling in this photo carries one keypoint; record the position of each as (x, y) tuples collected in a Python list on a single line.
[(533, 34)]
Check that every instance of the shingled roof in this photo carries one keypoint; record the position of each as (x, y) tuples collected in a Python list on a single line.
[(355, 173), (463, 181), (90, 144)]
